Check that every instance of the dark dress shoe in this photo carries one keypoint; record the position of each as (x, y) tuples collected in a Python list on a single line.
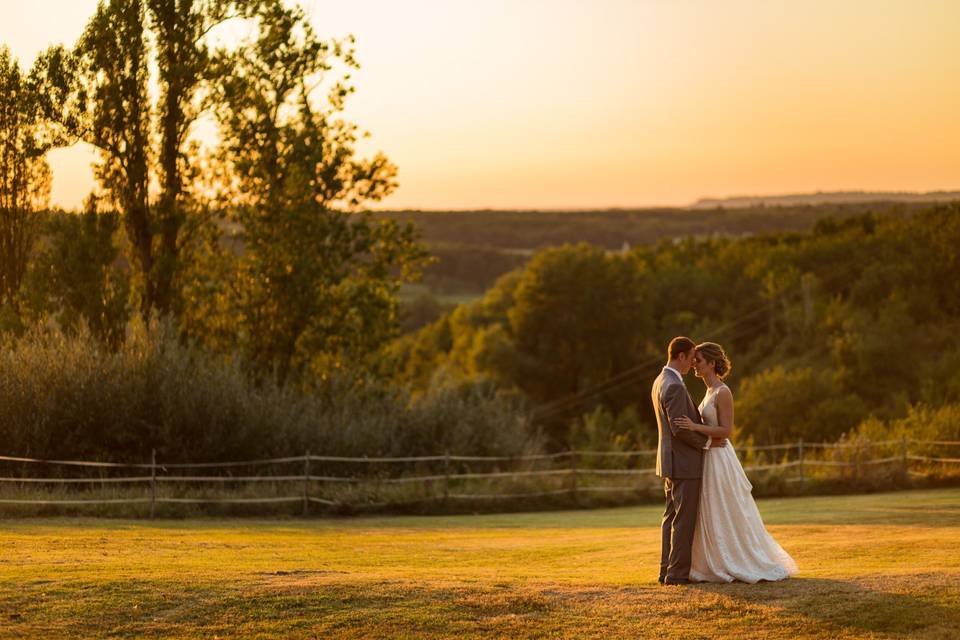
[(676, 581)]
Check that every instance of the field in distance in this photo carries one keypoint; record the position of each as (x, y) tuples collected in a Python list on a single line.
[(881, 565)]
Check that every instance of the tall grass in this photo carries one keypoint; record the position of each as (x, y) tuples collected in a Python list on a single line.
[(67, 396)]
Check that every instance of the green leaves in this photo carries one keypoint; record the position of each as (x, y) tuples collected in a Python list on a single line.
[(77, 278), (24, 175), (316, 282)]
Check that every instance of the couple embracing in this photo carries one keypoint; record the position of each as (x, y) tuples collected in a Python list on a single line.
[(712, 530)]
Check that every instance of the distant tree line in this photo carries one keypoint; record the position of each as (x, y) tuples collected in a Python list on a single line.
[(856, 319), (474, 248), (610, 229)]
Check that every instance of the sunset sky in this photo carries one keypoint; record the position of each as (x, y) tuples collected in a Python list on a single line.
[(618, 103)]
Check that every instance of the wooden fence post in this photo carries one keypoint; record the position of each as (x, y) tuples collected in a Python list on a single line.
[(857, 460), (446, 475), (800, 459), (903, 457), (153, 480), (573, 475), (306, 483)]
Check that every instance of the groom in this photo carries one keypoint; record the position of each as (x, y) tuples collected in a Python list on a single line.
[(679, 462)]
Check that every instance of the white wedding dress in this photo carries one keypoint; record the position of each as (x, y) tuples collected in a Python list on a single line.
[(730, 542)]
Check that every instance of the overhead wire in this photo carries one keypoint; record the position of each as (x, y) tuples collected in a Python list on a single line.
[(631, 375)]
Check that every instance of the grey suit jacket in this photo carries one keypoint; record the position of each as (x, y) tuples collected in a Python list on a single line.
[(679, 451)]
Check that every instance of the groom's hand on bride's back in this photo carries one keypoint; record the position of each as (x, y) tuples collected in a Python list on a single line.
[(717, 442)]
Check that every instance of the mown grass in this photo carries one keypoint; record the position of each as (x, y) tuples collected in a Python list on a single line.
[(872, 566)]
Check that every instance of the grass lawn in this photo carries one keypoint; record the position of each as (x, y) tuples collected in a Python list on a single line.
[(872, 566)]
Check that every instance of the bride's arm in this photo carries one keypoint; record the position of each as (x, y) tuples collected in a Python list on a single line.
[(724, 417), (724, 413), (705, 429)]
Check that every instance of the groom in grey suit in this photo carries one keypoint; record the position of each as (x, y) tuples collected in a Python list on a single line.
[(679, 462)]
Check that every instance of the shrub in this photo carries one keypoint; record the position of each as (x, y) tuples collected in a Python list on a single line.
[(68, 396)]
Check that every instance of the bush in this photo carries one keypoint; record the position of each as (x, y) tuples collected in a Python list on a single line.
[(780, 405), (68, 396), (601, 430)]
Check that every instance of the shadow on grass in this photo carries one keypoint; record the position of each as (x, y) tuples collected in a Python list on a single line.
[(922, 605), (309, 605), (288, 609)]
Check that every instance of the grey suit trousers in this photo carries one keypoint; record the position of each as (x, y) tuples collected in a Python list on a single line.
[(679, 523)]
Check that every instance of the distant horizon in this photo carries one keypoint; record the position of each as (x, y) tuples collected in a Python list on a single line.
[(953, 195), (843, 196), (565, 105)]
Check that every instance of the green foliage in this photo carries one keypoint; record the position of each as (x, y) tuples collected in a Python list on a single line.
[(538, 329), (315, 287), (68, 396), (525, 230), (419, 311), (474, 248), (856, 318), (784, 405), (105, 97), (466, 268), (577, 316), (921, 422), (97, 92), (24, 176), (78, 277), (601, 430)]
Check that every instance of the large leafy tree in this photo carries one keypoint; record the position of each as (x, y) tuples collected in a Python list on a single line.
[(577, 321), (99, 93), (24, 175), (184, 64), (560, 328), (578, 318), (310, 281)]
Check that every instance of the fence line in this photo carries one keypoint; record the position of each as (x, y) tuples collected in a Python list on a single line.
[(78, 463), (241, 463), (929, 459), (227, 478), (771, 447), (852, 445), (574, 472), (80, 480), (103, 501)]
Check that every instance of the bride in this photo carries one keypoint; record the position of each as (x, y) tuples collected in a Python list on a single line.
[(730, 542)]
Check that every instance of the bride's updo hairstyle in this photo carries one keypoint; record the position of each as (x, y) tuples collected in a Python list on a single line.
[(712, 352)]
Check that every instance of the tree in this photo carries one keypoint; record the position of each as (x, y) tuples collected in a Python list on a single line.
[(571, 319), (314, 280), (24, 175), (184, 62), (78, 277), (780, 405), (578, 318), (98, 93)]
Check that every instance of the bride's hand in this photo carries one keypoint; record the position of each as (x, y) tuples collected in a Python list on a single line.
[(683, 422)]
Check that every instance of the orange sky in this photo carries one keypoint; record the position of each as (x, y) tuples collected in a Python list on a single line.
[(574, 104)]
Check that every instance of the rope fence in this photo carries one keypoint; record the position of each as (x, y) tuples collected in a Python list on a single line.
[(580, 472)]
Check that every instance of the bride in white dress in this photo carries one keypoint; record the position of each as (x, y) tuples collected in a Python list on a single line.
[(730, 542)]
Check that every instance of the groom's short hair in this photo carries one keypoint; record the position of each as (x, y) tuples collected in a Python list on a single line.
[(678, 345)]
